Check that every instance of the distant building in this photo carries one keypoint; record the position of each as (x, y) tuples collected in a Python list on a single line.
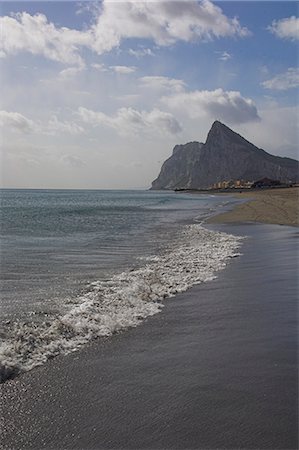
[(265, 182), (232, 184)]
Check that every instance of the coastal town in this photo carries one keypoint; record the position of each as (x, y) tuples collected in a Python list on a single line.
[(232, 184), (245, 184)]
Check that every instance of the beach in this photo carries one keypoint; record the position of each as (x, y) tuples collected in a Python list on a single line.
[(276, 206), (149, 214), (216, 369)]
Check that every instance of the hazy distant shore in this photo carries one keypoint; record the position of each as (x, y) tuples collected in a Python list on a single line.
[(273, 206)]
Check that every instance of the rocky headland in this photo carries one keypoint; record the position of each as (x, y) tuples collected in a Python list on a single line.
[(223, 157)]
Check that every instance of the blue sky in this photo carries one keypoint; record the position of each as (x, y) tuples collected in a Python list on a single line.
[(96, 94)]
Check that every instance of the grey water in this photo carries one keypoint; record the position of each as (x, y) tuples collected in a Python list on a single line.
[(217, 369), (55, 242)]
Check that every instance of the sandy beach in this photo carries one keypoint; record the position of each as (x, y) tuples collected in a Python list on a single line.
[(217, 369), (275, 206), (149, 225)]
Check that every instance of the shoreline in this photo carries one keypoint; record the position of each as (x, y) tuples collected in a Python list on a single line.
[(278, 206), (209, 371)]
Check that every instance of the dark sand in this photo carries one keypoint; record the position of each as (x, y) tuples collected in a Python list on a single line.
[(217, 369)]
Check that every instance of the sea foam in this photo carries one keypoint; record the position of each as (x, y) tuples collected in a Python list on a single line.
[(123, 301)]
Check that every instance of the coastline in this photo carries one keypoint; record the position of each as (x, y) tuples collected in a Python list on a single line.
[(272, 206), (217, 368), (210, 371)]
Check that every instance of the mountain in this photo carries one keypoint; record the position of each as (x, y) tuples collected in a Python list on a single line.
[(225, 156)]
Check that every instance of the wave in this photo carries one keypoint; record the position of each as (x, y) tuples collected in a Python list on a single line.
[(123, 301)]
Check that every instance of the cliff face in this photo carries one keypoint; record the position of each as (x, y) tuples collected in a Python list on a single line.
[(225, 156), (178, 169)]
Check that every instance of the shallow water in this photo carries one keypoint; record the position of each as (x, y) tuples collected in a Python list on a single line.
[(217, 369), (77, 265)]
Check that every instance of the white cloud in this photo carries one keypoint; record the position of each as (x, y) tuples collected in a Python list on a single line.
[(225, 56), (54, 126), (277, 132), (123, 69), (141, 52), (162, 83), (99, 67), (287, 28), (163, 22), (91, 8), (117, 69), (16, 121), (34, 34), (71, 72), (283, 81), (228, 106), (128, 121)]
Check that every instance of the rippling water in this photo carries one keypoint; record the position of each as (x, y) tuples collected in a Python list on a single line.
[(81, 264)]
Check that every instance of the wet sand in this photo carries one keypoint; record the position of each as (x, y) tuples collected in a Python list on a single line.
[(277, 206), (217, 369)]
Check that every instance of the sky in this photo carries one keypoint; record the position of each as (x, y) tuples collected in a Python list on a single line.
[(94, 95)]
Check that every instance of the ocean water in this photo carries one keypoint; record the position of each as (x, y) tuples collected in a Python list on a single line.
[(78, 265)]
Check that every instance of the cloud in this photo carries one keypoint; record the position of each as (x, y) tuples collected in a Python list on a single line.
[(71, 72), (283, 81), (99, 67), (140, 53), (277, 132), (117, 69), (16, 121), (225, 56), (34, 34), (91, 8), (123, 69), (129, 121), (163, 22), (287, 28), (162, 83), (54, 126), (228, 106)]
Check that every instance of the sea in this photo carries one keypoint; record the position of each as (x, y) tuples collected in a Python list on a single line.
[(78, 265)]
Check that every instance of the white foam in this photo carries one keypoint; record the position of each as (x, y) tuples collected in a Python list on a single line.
[(122, 302)]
